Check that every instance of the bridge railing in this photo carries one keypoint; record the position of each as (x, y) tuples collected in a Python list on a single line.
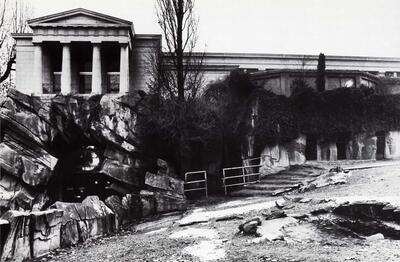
[(200, 184)]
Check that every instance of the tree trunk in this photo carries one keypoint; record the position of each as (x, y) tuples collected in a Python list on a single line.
[(179, 52), (8, 69)]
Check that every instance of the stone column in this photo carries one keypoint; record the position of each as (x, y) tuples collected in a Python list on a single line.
[(124, 69), (96, 69), (37, 70), (66, 87)]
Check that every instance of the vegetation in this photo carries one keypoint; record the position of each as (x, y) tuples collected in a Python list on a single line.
[(13, 16), (328, 113), (320, 81)]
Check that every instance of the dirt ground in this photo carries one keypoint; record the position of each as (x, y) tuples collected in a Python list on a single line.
[(166, 240)]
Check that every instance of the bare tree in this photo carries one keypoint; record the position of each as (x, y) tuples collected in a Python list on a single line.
[(13, 17), (180, 71)]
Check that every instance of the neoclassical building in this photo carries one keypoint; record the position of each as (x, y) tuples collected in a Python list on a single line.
[(84, 52)]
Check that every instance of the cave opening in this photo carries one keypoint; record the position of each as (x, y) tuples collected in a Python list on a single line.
[(78, 172)]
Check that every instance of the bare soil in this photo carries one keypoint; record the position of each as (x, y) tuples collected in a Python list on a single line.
[(220, 242)]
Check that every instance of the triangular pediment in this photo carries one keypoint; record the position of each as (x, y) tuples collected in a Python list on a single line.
[(79, 16)]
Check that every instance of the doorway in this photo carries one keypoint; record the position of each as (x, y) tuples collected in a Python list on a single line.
[(311, 147), (341, 145), (380, 145)]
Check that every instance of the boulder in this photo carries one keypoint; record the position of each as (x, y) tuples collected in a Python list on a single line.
[(9, 182), (164, 182), (5, 200), (40, 202), (123, 173), (85, 220), (34, 171), (45, 231), (115, 204), (22, 200), (249, 227), (164, 168), (165, 203), (148, 203), (132, 205), (17, 246), (4, 231)]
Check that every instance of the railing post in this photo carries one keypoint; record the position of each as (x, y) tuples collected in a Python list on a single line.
[(223, 181), (205, 183)]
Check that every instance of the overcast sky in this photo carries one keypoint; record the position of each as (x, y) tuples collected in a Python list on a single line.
[(334, 27)]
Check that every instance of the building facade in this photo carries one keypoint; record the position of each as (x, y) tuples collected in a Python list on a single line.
[(84, 52)]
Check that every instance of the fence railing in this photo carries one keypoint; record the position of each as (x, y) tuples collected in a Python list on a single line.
[(242, 179), (200, 184), (245, 175)]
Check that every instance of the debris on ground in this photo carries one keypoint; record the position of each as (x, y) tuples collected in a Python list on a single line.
[(335, 176), (274, 214), (250, 227)]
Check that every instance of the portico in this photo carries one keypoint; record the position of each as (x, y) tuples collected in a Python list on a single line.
[(80, 51)]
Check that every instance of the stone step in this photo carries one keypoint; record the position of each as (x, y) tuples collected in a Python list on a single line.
[(292, 175), (299, 173), (281, 181), (250, 192), (270, 187)]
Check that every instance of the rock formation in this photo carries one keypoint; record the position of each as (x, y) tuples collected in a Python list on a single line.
[(61, 157)]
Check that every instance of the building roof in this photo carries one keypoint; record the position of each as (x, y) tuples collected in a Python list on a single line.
[(78, 11)]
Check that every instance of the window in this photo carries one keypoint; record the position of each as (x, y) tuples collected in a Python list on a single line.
[(347, 82), (389, 74), (57, 82), (112, 82), (85, 82)]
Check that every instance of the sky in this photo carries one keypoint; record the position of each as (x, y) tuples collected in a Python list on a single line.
[(333, 27)]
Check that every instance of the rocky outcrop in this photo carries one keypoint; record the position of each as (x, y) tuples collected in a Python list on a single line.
[(82, 221), (71, 148), (164, 192), (29, 234), (46, 139)]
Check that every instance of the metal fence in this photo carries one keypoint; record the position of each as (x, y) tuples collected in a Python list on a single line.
[(243, 178), (246, 174), (199, 184)]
